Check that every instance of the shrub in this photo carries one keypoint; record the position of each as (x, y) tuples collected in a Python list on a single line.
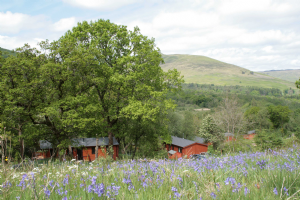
[(240, 145), (267, 140)]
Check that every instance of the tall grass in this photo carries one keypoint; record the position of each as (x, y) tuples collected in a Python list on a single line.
[(260, 175)]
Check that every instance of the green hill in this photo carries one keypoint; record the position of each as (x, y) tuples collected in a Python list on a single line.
[(6, 52), (291, 75), (204, 70)]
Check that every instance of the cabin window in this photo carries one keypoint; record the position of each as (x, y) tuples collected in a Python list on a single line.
[(93, 150), (172, 147), (180, 150)]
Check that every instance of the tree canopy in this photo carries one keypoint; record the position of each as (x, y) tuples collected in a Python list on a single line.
[(211, 132), (85, 83), (279, 115)]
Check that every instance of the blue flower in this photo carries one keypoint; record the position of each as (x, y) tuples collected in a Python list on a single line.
[(47, 192), (213, 195), (51, 183), (144, 184), (286, 191), (174, 189), (275, 191), (246, 191), (66, 180)]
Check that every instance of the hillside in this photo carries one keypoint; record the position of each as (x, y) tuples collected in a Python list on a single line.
[(6, 52), (204, 70), (291, 75)]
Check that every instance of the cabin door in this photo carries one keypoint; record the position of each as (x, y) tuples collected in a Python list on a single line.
[(79, 154)]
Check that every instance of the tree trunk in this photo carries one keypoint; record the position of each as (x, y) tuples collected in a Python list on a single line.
[(215, 146), (111, 143), (2, 147), (96, 148), (70, 151), (125, 148), (53, 153), (135, 146), (9, 153), (21, 141)]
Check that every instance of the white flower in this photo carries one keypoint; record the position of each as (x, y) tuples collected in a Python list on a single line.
[(15, 176)]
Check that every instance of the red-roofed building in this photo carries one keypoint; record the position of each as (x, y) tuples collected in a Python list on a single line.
[(181, 147)]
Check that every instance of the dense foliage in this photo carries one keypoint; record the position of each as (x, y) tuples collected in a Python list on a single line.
[(238, 110), (98, 79)]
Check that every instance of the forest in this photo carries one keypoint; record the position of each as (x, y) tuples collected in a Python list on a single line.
[(273, 113), (103, 80)]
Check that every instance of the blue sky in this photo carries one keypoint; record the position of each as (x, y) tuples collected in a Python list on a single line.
[(257, 34)]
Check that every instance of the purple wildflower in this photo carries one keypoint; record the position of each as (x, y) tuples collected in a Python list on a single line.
[(262, 164), (213, 195), (286, 191), (47, 192), (246, 191)]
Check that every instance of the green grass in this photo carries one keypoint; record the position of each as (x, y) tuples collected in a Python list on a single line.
[(227, 176), (204, 70)]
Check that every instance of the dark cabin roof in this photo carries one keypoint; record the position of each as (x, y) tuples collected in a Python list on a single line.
[(78, 142), (228, 134), (199, 140), (251, 132), (181, 142)]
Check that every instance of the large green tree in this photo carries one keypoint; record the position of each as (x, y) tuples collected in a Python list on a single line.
[(21, 90), (210, 131), (279, 115), (121, 68)]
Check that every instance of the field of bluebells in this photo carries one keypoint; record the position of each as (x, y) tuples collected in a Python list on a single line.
[(261, 175)]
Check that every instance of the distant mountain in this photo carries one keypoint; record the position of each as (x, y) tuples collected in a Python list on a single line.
[(6, 52), (205, 70), (291, 75)]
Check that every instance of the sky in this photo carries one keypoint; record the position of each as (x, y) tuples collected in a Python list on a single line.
[(258, 34)]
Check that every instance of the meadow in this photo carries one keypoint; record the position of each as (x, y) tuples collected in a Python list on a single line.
[(261, 175)]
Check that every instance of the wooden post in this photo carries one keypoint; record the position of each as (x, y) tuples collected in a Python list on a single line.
[(96, 153), (70, 151), (2, 146)]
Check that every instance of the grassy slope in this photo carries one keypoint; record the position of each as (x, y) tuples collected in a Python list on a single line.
[(288, 75), (204, 70)]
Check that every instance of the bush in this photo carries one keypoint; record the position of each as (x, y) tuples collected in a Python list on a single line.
[(289, 142), (268, 140), (240, 145)]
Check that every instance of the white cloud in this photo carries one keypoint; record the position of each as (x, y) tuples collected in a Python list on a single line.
[(16, 42), (15, 22), (100, 4), (257, 34), (64, 24), (230, 7), (16, 29)]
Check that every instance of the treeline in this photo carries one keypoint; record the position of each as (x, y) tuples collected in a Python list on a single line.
[(99, 79), (211, 96), (237, 89)]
